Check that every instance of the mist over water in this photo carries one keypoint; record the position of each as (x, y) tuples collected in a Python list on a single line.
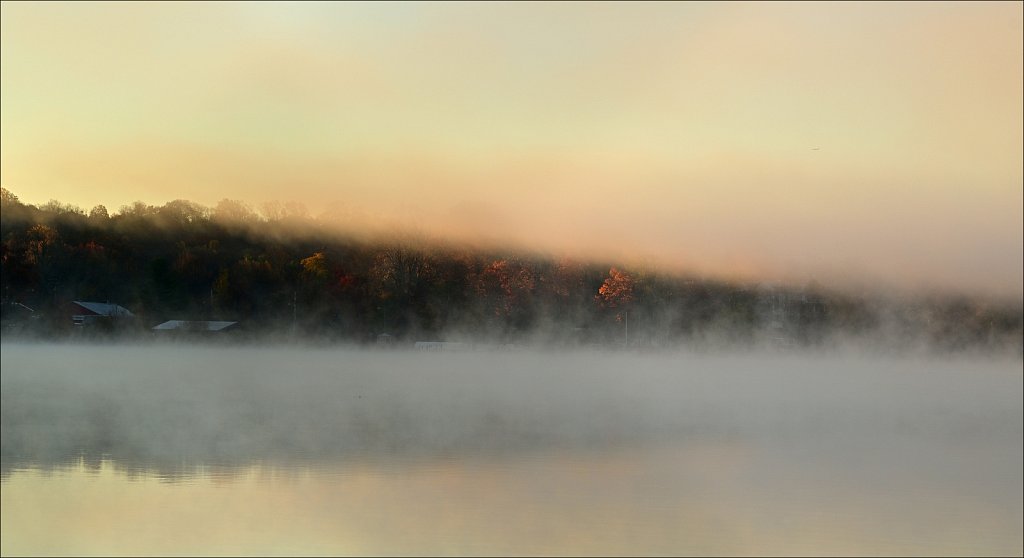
[(454, 278), (896, 451)]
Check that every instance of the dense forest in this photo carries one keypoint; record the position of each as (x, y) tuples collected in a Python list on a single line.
[(282, 274)]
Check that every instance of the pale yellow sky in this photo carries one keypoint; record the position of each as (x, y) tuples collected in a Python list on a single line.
[(672, 133)]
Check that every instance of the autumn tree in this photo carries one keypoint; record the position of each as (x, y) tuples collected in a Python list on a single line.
[(616, 291), (508, 285), (616, 294)]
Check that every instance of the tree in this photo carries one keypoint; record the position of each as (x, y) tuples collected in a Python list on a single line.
[(7, 198), (272, 211), (136, 209), (99, 213), (617, 293), (617, 290), (399, 279), (509, 284), (54, 206), (315, 267), (234, 211), (182, 212)]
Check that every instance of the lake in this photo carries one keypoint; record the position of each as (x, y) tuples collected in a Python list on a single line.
[(181, 449)]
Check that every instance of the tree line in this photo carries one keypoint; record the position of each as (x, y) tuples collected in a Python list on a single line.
[(280, 271)]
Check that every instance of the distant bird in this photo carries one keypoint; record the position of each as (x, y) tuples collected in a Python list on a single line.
[(815, 149)]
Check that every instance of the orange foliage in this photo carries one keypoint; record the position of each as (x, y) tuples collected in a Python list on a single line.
[(513, 280), (617, 290)]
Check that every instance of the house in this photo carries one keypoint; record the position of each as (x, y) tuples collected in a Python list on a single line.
[(195, 326), (15, 316), (88, 313)]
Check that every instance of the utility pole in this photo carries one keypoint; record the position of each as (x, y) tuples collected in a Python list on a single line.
[(627, 329)]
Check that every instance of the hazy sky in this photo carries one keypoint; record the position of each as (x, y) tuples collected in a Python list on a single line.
[(682, 134)]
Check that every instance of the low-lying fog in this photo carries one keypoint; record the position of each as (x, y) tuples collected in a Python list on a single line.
[(178, 406), (499, 453)]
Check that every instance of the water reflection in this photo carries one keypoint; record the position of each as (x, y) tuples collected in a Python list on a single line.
[(701, 500), (220, 451)]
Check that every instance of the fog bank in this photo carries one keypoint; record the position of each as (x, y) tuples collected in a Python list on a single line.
[(172, 408)]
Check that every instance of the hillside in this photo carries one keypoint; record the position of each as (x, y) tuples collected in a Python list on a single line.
[(281, 271)]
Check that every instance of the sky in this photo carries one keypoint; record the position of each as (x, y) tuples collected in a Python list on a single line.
[(855, 143)]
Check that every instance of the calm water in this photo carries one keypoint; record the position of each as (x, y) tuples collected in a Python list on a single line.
[(200, 450)]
